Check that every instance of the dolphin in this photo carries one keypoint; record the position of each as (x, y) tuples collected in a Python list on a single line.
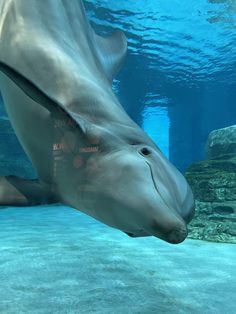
[(56, 81)]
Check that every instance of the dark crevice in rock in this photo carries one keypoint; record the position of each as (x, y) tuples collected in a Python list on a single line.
[(225, 210)]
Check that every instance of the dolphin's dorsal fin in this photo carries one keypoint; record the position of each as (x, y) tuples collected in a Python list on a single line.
[(111, 52)]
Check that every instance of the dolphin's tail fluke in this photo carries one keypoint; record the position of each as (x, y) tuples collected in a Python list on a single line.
[(16, 191)]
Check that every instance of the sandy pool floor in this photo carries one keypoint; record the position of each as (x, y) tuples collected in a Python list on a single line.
[(54, 259)]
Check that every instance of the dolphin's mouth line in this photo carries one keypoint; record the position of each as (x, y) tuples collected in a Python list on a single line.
[(156, 188), (154, 183)]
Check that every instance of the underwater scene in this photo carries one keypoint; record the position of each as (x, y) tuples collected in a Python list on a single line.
[(117, 157)]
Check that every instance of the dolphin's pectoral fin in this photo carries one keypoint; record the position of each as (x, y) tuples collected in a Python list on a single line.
[(17, 191), (132, 235), (37, 95), (30, 89), (111, 52)]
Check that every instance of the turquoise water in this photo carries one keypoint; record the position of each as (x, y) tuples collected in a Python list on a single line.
[(54, 259)]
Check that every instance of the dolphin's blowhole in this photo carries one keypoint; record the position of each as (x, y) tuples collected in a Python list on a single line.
[(145, 151)]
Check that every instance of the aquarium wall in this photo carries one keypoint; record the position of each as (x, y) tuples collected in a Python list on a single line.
[(180, 116)]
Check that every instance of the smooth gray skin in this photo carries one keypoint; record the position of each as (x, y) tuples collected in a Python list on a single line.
[(53, 64)]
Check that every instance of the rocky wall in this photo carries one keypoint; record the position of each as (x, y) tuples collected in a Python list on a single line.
[(213, 182)]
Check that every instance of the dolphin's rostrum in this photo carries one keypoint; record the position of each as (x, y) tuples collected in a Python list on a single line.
[(55, 79)]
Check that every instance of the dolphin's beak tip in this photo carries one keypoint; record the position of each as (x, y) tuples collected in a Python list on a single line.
[(177, 235), (174, 234)]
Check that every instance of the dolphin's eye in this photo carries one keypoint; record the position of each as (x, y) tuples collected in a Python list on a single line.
[(145, 151)]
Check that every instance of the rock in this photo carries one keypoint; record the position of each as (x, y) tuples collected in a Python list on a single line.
[(213, 183), (221, 142), (214, 222), (214, 180)]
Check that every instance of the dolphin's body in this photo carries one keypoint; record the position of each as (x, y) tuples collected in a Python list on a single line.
[(55, 79)]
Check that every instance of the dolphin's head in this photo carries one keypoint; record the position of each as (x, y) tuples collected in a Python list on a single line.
[(134, 188)]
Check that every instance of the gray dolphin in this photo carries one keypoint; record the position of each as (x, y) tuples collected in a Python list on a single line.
[(55, 79)]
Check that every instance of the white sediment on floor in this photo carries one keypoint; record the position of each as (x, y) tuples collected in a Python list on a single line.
[(54, 259)]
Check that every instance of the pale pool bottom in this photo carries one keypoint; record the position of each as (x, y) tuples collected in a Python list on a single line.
[(54, 259)]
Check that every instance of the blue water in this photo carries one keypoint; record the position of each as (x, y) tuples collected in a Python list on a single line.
[(190, 42)]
